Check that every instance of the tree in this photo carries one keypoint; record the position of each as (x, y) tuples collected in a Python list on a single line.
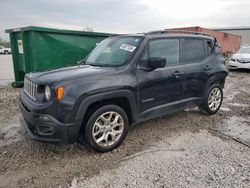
[(4, 43)]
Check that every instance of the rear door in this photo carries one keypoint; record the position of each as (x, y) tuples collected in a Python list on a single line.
[(196, 66)]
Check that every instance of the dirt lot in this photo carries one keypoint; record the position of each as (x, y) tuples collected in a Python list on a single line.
[(6, 69), (184, 149)]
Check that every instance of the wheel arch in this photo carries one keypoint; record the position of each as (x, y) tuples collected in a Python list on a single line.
[(216, 79), (123, 98)]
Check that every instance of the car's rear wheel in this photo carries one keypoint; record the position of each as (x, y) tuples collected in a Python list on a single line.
[(6, 52), (106, 128), (212, 100)]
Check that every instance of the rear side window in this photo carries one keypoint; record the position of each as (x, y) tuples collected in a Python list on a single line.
[(165, 48), (193, 49)]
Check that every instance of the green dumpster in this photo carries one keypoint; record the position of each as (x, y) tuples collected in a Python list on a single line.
[(40, 49)]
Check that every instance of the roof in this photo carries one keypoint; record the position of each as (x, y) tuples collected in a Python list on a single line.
[(179, 35), (231, 28), (164, 35), (50, 30)]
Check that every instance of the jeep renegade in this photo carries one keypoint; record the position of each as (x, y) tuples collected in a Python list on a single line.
[(125, 80)]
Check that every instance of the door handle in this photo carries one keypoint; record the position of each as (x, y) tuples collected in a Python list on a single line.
[(206, 68), (177, 74)]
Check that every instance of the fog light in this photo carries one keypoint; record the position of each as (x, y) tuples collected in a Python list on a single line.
[(45, 130)]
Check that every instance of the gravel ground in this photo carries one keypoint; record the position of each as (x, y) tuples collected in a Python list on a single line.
[(184, 149), (8, 103), (6, 70), (186, 160)]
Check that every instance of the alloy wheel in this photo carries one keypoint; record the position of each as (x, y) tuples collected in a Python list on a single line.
[(214, 99), (108, 128)]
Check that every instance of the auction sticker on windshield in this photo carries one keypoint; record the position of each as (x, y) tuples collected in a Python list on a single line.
[(127, 47)]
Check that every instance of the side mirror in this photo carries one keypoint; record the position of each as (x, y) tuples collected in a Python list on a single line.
[(80, 62), (157, 62)]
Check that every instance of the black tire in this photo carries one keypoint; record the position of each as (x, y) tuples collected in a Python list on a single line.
[(88, 137), (6, 52), (204, 106)]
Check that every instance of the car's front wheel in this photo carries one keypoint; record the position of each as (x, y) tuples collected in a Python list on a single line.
[(212, 100), (106, 128)]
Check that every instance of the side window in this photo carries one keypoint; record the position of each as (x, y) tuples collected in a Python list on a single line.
[(165, 48), (193, 49)]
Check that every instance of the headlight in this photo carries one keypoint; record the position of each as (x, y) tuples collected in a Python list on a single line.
[(47, 93)]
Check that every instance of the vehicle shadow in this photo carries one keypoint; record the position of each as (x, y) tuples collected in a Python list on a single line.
[(139, 136)]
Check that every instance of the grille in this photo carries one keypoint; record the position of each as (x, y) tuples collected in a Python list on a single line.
[(243, 60), (30, 89)]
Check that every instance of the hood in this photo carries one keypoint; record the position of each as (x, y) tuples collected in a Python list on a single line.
[(69, 73), (241, 56)]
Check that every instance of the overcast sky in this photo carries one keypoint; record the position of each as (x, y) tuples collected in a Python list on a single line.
[(122, 16)]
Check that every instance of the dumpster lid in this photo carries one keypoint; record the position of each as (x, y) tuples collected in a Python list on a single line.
[(51, 30)]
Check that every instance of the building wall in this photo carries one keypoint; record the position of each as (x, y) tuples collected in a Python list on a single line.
[(244, 33)]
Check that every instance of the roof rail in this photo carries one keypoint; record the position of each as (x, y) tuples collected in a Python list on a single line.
[(169, 31)]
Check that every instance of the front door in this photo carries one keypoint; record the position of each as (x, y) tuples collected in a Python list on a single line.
[(160, 87)]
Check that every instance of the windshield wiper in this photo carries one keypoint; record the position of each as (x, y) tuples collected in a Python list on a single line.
[(94, 65)]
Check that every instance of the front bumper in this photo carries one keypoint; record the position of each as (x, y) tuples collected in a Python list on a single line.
[(45, 128), (237, 65)]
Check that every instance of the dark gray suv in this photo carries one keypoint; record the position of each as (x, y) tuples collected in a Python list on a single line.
[(125, 80)]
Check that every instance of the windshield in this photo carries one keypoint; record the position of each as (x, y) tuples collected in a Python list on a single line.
[(244, 51), (114, 51)]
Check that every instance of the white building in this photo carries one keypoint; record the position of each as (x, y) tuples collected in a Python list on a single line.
[(244, 32)]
